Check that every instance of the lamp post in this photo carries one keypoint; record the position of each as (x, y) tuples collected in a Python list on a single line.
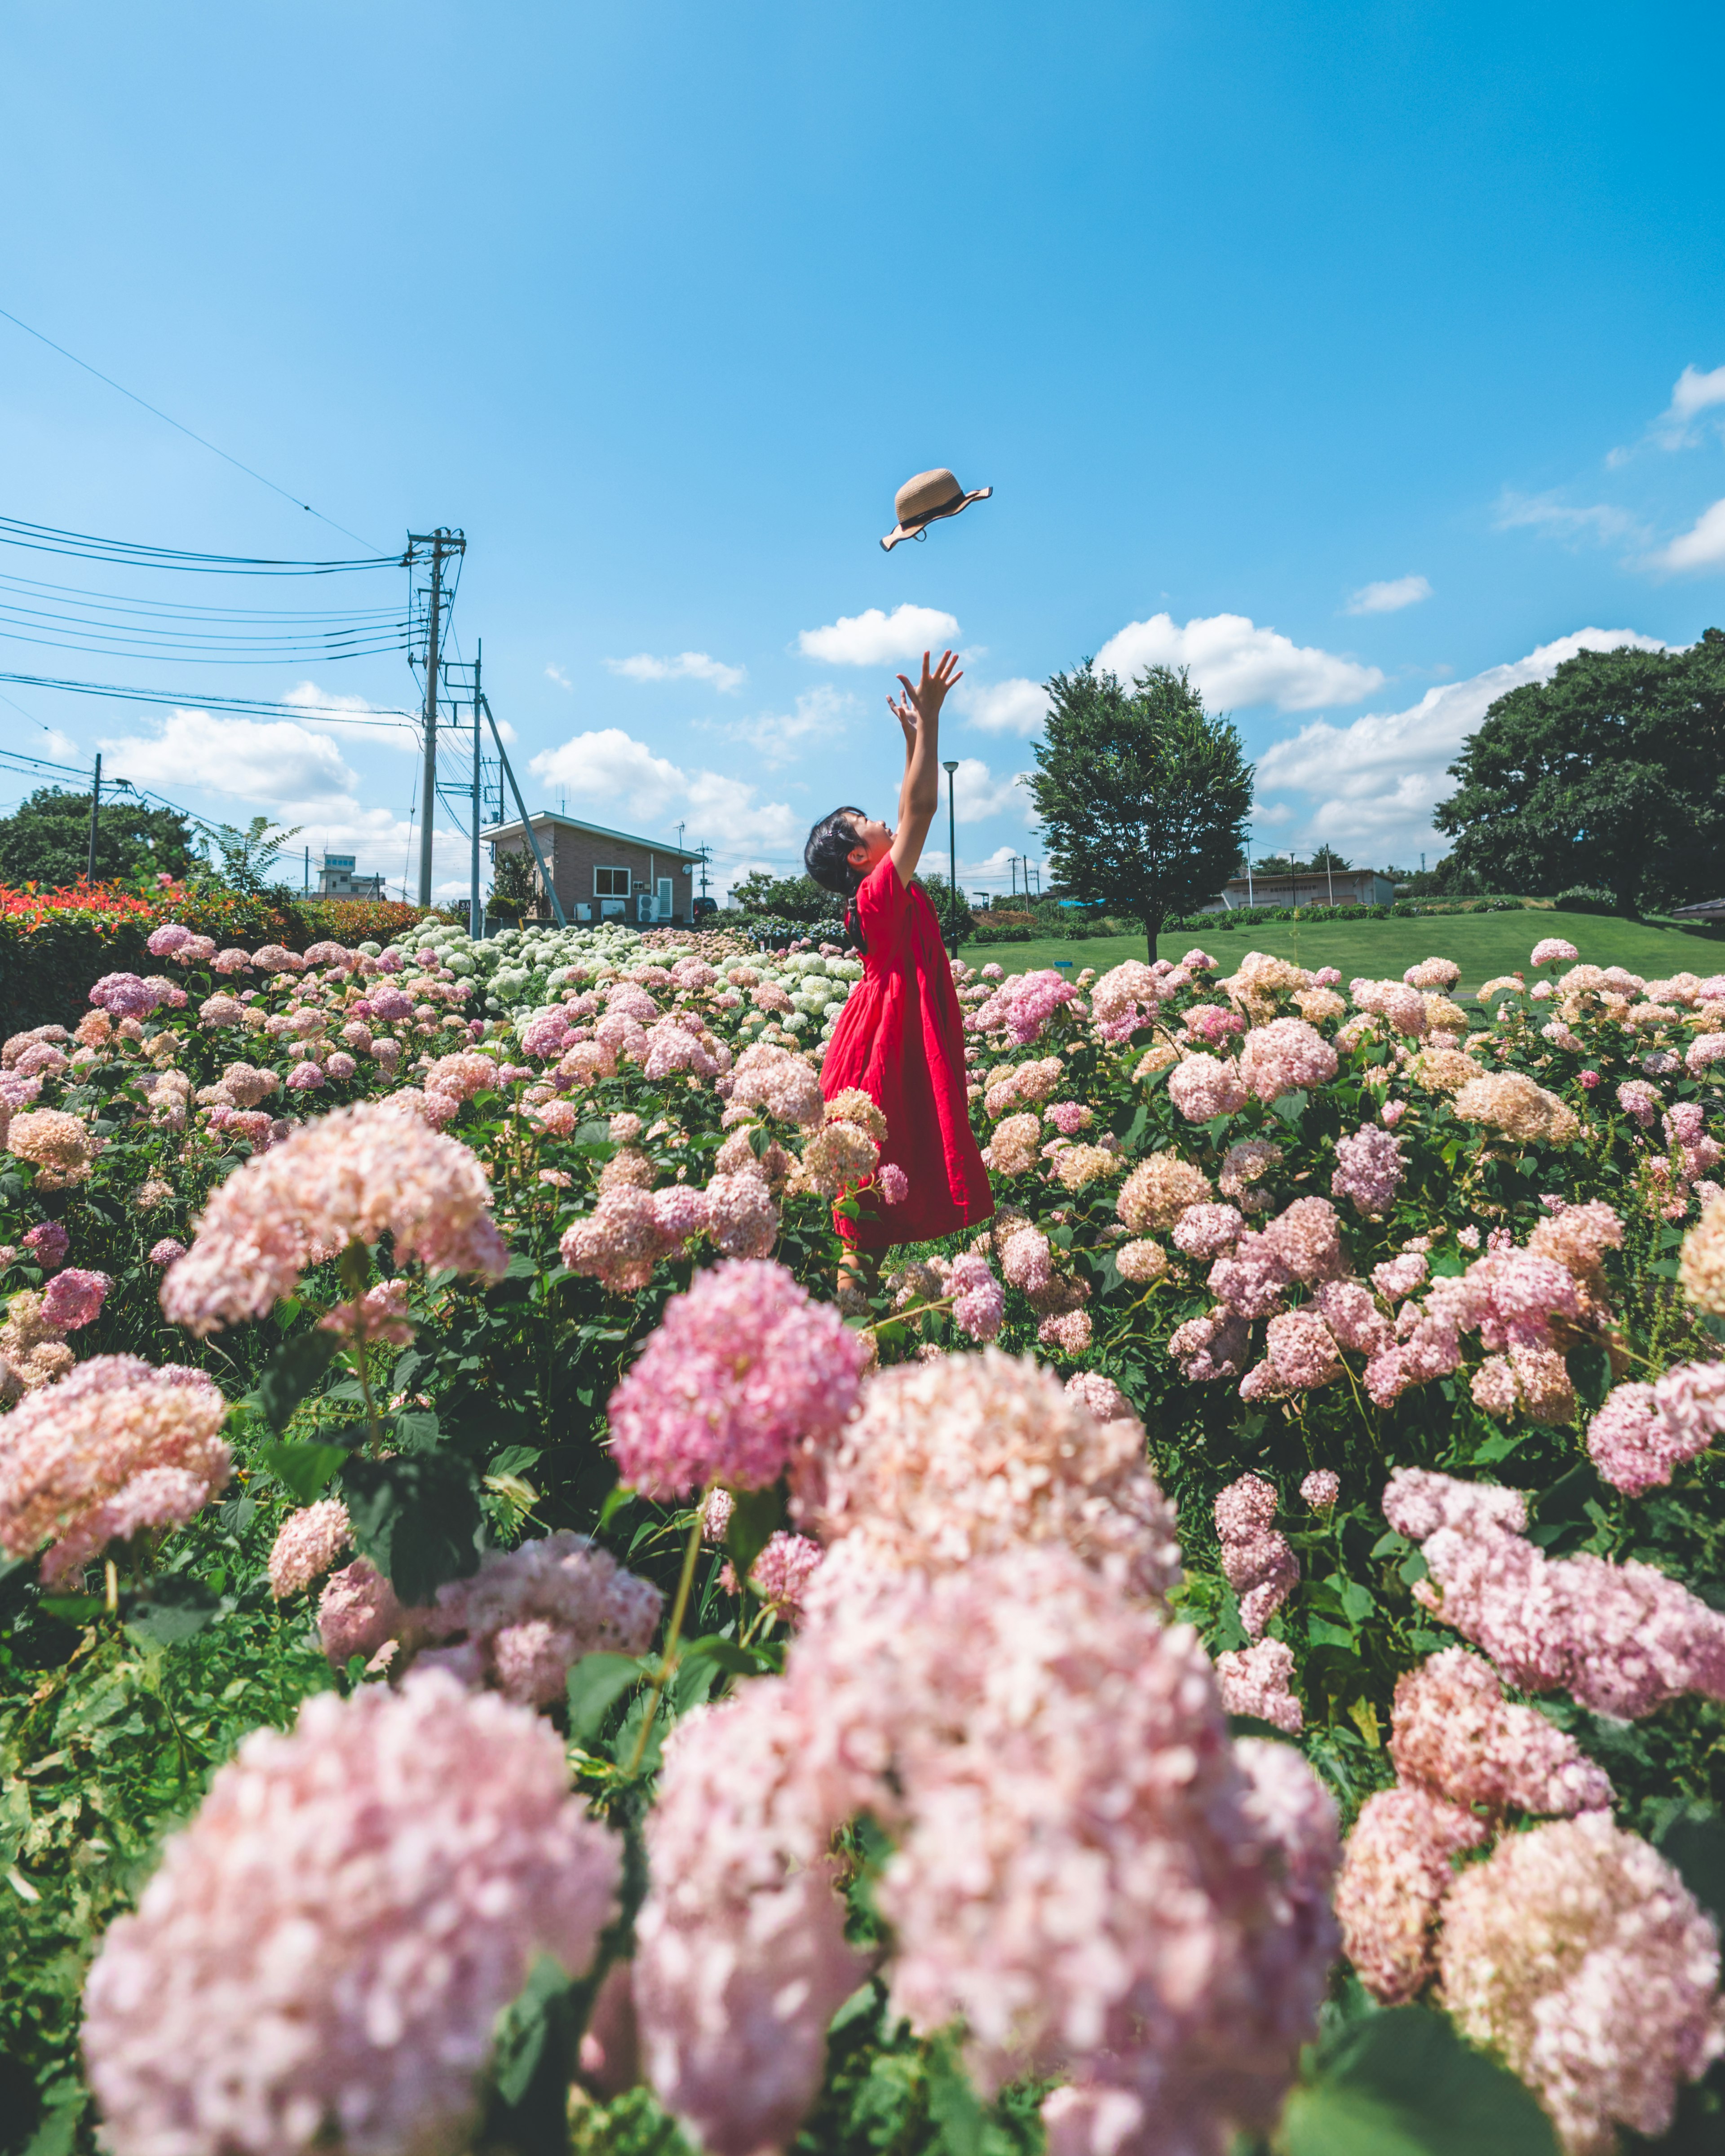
[(950, 767)]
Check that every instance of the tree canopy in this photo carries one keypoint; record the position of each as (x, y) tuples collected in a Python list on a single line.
[(46, 840), (1611, 773), (1143, 795)]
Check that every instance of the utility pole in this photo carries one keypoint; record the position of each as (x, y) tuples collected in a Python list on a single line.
[(444, 544), (1330, 871), (95, 802), (951, 849), (476, 924)]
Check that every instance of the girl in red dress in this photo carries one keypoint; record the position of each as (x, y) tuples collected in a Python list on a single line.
[(899, 1037)]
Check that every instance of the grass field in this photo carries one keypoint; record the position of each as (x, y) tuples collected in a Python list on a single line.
[(1482, 944)]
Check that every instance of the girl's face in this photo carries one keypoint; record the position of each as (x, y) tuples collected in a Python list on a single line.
[(874, 843)]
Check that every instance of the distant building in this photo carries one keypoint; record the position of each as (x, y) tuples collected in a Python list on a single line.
[(337, 878), (1309, 887), (601, 875)]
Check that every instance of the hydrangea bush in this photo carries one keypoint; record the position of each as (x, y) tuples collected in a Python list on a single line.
[(502, 1649)]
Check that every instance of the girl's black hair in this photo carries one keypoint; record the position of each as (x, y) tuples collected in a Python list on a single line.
[(827, 858)]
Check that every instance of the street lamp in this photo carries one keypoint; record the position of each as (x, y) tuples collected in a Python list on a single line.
[(949, 768)]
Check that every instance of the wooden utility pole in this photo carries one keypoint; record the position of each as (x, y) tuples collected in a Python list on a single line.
[(95, 802), (444, 544), (475, 922)]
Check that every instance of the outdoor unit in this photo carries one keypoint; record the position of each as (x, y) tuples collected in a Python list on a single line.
[(643, 905)]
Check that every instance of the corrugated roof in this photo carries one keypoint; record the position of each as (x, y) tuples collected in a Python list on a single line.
[(598, 830)]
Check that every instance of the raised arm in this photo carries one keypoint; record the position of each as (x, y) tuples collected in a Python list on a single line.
[(919, 714)]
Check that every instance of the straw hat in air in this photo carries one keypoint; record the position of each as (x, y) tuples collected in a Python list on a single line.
[(919, 501)]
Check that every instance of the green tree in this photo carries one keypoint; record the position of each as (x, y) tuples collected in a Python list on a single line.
[(1143, 795), (1612, 773), (515, 884), (792, 898), (46, 840), (248, 856)]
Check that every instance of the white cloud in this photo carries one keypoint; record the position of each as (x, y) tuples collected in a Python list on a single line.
[(1375, 784), (685, 667), (1234, 662), (979, 793), (1389, 597), (557, 674), (351, 718), (1701, 547), (778, 736), (1017, 706), (610, 774), (1693, 393), (1601, 521), (277, 764), (874, 639)]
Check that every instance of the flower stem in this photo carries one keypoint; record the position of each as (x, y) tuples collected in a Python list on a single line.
[(668, 1660)]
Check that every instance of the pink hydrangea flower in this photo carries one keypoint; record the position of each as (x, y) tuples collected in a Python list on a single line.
[(84, 1459), (1258, 1563), (895, 1183), (307, 1544), (1203, 1086), (164, 1252), (1554, 951), (743, 1370), (1254, 1680), (48, 1243), (1321, 1489), (1369, 1169), (373, 1887), (978, 1300), (74, 1298), (352, 1175)]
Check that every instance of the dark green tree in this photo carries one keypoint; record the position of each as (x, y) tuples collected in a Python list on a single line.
[(792, 898), (1143, 795), (248, 856), (1611, 773), (46, 840), (515, 884)]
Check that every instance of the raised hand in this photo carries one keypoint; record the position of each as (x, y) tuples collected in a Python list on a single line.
[(930, 693)]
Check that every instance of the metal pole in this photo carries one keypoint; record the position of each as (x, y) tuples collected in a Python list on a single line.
[(557, 904), (96, 799), (1251, 900), (475, 919), (952, 848), (428, 788)]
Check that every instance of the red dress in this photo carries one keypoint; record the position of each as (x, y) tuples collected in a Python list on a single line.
[(900, 1038)]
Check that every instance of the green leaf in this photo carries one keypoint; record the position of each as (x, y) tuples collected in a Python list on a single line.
[(753, 1518), (616, 1498), (416, 1431), (954, 2106), (72, 1609), (1405, 2083), (1589, 1369), (291, 1372), (302, 1469), (1292, 1105), (417, 1518), (738, 1661), (1694, 1841), (514, 1459), (596, 1683), (172, 1608)]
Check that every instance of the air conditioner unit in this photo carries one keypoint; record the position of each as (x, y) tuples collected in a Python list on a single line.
[(643, 905)]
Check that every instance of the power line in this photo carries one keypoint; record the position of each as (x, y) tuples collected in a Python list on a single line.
[(131, 553), (178, 610), (160, 415), (246, 706)]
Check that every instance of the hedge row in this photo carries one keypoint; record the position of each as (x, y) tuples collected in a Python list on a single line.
[(53, 943)]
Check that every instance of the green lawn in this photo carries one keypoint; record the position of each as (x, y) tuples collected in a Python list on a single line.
[(1482, 944)]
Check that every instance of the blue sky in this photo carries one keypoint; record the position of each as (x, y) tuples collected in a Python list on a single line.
[(1362, 356)]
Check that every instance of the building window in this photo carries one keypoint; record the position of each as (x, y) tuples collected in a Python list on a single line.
[(610, 883)]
